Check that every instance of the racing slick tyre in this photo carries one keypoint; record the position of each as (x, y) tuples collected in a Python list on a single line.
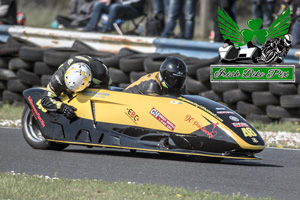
[(277, 112), (195, 86), (29, 53), (282, 89), (2, 85), (133, 62), (56, 56), (28, 77), (16, 63), (118, 76), (15, 85), (203, 74), (211, 95), (259, 118), (235, 95), (81, 46), (41, 68), (134, 76), (11, 97), (223, 87), (33, 135), (290, 101), (248, 108), (6, 74), (264, 98), (253, 87)]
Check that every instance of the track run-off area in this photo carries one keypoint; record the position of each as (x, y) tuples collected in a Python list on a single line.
[(277, 175)]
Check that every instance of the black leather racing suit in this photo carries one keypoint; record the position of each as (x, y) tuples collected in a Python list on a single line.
[(56, 86), (150, 84)]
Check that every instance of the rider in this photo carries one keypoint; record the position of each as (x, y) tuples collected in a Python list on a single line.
[(280, 46), (169, 79), (74, 75)]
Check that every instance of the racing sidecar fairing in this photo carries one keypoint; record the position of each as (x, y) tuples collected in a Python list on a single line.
[(189, 124)]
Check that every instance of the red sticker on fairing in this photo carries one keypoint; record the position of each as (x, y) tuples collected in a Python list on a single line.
[(240, 124), (162, 119)]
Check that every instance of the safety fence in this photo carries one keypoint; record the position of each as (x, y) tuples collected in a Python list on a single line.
[(24, 64)]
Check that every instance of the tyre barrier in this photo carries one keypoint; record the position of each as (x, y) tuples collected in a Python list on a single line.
[(24, 65)]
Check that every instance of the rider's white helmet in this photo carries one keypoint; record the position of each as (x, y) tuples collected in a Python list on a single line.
[(287, 40), (78, 77)]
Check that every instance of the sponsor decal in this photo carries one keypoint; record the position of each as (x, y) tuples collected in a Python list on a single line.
[(39, 104), (225, 112), (95, 94), (162, 119), (201, 107), (132, 115), (248, 132), (239, 124), (194, 122), (35, 113), (233, 118), (175, 102)]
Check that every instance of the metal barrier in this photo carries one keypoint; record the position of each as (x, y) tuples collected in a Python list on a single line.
[(112, 43)]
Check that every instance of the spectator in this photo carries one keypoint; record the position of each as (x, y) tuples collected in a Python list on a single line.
[(189, 9), (295, 21), (101, 7), (80, 13), (263, 9), (8, 12), (160, 7), (156, 23), (230, 7), (126, 9)]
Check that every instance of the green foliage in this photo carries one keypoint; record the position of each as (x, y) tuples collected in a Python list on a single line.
[(230, 29), (17, 186), (11, 111)]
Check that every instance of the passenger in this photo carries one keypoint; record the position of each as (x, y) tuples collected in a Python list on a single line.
[(74, 75), (169, 80)]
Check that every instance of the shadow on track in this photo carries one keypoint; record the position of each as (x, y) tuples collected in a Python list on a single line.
[(166, 156)]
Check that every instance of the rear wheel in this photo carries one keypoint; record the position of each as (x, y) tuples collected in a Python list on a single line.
[(33, 135)]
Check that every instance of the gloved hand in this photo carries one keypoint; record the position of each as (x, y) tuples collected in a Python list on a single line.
[(68, 111)]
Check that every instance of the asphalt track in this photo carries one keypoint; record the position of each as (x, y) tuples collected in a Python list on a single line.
[(277, 175)]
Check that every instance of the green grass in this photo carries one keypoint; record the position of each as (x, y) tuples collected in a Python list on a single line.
[(11, 111), (275, 127), (17, 186)]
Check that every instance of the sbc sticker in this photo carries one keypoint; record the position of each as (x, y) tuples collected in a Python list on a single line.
[(248, 132)]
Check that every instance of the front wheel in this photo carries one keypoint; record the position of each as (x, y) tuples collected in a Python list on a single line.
[(33, 135)]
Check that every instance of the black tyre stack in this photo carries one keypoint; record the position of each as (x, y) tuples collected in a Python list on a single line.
[(24, 65)]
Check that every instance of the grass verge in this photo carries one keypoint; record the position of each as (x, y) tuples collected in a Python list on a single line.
[(21, 186)]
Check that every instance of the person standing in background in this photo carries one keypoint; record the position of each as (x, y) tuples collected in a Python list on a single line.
[(79, 14), (263, 9), (8, 12), (189, 9), (230, 7)]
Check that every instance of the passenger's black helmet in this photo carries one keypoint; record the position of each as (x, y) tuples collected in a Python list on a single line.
[(173, 73)]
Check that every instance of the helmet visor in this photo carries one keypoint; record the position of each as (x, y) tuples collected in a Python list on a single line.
[(175, 81)]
